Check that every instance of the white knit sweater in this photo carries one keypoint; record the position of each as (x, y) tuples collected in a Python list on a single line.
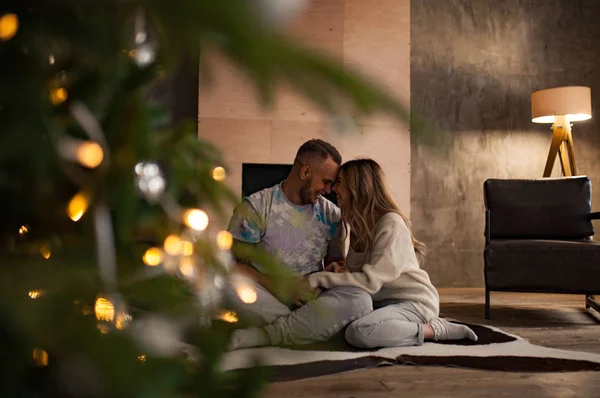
[(390, 270)]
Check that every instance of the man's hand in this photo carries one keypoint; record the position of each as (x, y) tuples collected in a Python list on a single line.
[(304, 292), (337, 267)]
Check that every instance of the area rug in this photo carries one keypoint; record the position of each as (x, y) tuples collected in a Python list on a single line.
[(494, 350)]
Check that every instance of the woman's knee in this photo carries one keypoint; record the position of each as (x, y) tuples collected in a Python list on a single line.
[(355, 335)]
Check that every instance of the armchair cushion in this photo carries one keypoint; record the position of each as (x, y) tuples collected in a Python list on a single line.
[(543, 266)]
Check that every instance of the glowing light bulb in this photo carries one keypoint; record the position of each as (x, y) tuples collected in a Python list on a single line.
[(122, 320), (152, 257), (35, 294), (186, 267), (141, 358), (224, 240), (196, 219), (228, 316), (9, 24), (104, 309), (89, 154), (77, 206), (40, 357), (45, 251), (51, 59), (58, 96), (23, 230), (246, 293), (173, 245), (219, 173)]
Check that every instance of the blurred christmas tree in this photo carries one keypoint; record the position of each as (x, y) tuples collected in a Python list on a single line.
[(93, 174)]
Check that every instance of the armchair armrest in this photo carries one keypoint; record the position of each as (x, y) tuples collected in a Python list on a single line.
[(488, 228)]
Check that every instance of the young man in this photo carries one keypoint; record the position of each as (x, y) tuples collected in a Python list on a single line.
[(295, 223)]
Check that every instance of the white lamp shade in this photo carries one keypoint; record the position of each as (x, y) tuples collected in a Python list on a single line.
[(574, 102)]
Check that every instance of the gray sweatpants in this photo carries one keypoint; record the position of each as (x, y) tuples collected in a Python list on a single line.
[(398, 324), (316, 321)]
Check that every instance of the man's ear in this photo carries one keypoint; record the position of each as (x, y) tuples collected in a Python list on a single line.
[(305, 172)]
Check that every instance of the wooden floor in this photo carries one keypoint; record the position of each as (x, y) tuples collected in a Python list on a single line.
[(558, 321)]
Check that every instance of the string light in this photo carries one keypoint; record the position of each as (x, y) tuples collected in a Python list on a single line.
[(172, 245), (51, 59), (23, 229), (104, 309), (89, 154), (196, 219), (228, 316), (186, 267), (245, 291), (219, 173), (34, 294), (187, 248), (9, 24), (58, 95), (224, 240), (247, 294), (45, 251), (40, 357), (152, 257), (141, 358), (77, 206)]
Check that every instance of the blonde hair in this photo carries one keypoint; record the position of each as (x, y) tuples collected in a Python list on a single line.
[(369, 199)]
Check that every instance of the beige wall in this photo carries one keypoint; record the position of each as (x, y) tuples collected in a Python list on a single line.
[(373, 35)]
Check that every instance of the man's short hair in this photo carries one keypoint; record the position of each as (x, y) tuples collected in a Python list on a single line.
[(320, 150)]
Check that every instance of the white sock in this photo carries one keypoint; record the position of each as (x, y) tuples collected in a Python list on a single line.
[(248, 337), (444, 330)]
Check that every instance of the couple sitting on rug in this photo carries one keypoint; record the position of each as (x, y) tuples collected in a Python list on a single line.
[(379, 291)]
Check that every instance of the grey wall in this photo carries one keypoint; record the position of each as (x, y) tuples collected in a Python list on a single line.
[(474, 64)]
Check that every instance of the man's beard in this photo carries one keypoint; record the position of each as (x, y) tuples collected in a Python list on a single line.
[(306, 195)]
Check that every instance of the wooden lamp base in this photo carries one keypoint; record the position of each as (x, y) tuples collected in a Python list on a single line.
[(562, 144)]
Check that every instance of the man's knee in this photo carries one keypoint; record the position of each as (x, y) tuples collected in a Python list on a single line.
[(356, 301)]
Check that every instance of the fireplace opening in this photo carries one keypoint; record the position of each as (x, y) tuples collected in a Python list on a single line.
[(258, 176)]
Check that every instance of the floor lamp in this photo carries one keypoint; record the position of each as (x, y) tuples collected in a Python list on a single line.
[(561, 106)]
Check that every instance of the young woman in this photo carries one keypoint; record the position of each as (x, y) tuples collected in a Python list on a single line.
[(383, 259)]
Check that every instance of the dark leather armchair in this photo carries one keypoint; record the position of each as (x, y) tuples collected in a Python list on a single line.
[(538, 238)]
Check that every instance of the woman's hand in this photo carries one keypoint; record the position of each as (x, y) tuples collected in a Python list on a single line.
[(337, 267)]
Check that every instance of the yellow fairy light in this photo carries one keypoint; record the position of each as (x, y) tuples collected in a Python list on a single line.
[(228, 316), (187, 248), (45, 251), (89, 154), (173, 245), (77, 206), (40, 357), (9, 24), (104, 309), (186, 267), (58, 95), (246, 293), (219, 173), (23, 230), (141, 358), (153, 257), (196, 219), (35, 294), (224, 240)]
